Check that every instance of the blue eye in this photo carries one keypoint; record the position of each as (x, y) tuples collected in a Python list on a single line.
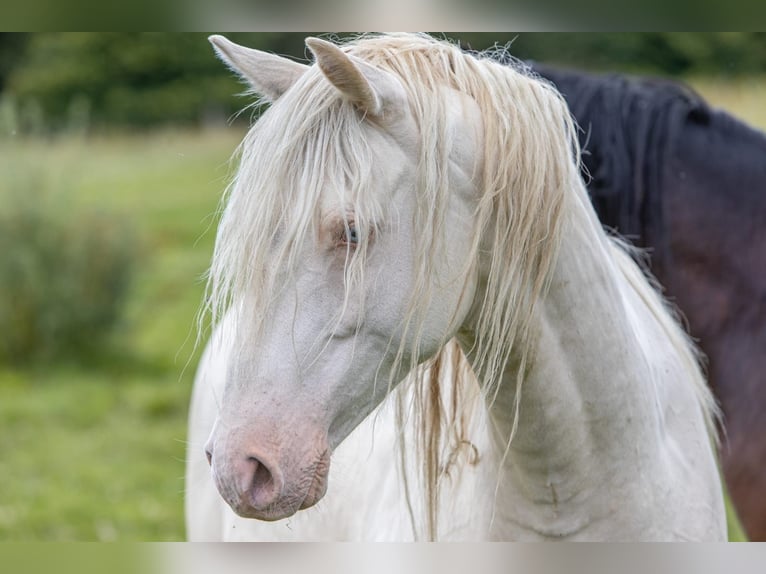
[(349, 236)]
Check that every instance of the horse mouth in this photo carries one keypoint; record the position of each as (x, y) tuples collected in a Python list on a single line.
[(318, 485)]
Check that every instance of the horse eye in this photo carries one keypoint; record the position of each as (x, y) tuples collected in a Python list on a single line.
[(350, 236)]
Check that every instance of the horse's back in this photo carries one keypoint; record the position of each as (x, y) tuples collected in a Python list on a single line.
[(715, 209)]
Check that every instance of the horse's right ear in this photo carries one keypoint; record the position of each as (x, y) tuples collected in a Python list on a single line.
[(268, 74), (371, 90)]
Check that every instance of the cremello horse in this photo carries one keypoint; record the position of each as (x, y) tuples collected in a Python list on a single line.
[(401, 203)]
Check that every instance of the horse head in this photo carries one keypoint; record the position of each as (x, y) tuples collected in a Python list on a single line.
[(331, 264)]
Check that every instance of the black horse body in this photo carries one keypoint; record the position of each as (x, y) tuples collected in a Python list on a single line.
[(688, 183)]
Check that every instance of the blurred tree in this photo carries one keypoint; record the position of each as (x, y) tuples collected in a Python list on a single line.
[(669, 53), (129, 79), (12, 46), (146, 79)]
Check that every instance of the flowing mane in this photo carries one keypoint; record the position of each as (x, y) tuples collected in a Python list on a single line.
[(632, 126), (310, 143), (310, 140)]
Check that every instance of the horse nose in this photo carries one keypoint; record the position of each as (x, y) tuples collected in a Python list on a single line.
[(260, 482), (249, 483)]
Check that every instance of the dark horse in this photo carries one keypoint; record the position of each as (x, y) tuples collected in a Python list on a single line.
[(688, 183)]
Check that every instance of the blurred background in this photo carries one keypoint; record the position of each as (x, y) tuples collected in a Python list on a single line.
[(114, 151)]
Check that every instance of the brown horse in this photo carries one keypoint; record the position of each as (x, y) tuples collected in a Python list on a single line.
[(688, 183)]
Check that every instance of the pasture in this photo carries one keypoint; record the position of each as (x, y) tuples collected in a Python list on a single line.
[(95, 452)]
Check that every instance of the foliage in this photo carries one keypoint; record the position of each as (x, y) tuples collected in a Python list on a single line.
[(665, 53), (148, 79), (123, 78), (63, 276), (12, 46)]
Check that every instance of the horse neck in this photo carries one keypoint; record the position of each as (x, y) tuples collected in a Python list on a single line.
[(580, 408)]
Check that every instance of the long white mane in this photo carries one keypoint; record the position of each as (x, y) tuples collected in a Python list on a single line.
[(310, 142)]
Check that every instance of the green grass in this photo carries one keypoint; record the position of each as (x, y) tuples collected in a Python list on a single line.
[(742, 97), (95, 452), (93, 457)]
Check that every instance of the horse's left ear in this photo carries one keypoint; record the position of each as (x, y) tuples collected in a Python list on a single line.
[(370, 89), (268, 74)]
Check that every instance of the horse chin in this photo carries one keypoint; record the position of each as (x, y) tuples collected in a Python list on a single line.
[(317, 489), (265, 514), (280, 510)]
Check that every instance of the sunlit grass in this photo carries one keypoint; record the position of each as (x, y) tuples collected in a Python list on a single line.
[(92, 456), (745, 98)]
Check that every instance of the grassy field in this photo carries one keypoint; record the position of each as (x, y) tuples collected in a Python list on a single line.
[(96, 452), (742, 97)]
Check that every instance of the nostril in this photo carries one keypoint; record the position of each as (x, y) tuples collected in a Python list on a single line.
[(262, 489), (262, 475), (209, 455)]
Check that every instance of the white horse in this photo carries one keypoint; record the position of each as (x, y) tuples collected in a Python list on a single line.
[(399, 204)]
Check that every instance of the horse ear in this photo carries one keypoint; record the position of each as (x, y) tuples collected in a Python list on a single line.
[(268, 74), (368, 88)]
